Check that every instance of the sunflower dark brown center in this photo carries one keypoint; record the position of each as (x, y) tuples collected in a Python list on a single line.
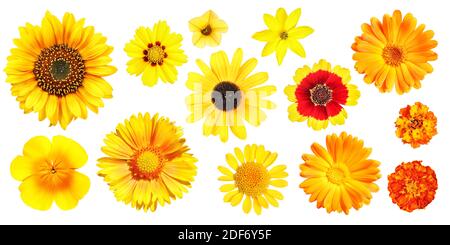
[(284, 35), (155, 54), (207, 30), (59, 70), (321, 94), (226, 96), (393, 55)]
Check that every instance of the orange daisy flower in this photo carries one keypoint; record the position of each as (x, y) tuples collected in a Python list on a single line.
[(394, 52), (416, 125), (412, 186)]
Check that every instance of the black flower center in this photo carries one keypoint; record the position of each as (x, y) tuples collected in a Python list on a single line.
[(207, 30), (321, 94), (59, 70), (226, 96)]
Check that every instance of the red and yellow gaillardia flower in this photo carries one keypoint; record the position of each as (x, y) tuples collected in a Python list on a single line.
[(340, 177), (57, 69), (147, 162), (48, 173), (416, 125), (412, 186), (155, 53), (319, 95), (251, 179), (394, 52)]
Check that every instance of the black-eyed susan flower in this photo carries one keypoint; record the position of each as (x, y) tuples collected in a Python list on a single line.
[(250, 180), (283, 33), (416, 125), (320, 94), (147, 162), (155, 54), (48, 171), (57, 69), (340, 177), (394, 52), (412, 186), (226, 94), (207, 29)]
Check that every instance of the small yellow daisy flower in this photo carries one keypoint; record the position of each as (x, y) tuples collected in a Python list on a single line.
[(207, 29), (251, 179), (155, 53), (283, 33)]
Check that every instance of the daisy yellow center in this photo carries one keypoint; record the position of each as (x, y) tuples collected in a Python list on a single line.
[(226, 96), (393, 55), (147, 164), (336, 175), (252, 179), (412, 188), (206, 31), (59, 70), (155, 54), (321, 94), (284, 35)]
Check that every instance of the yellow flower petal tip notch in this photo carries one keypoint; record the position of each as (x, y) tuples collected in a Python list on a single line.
[(250, 180), (283, 33), (340, 177), (155, 54), (226, 94), (57, 69), (147, 162), (319, 95), (207, 29), (48, 172), (416, 125), (394, 52)]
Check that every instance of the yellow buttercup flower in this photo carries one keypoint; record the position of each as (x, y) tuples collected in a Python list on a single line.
[(147, 162), (283, 33), (48, 173), (207, 29), (251, 179), (226, 94), (56, 69), (155, 53), (340, 177)]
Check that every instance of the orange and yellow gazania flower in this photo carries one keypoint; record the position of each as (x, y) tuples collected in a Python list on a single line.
[(319, 94), (283, 33), (412, 186), (250, 179), (48, 173), (394, 52), (147, 162), (57, 69), (341, 176), (155, 53), (416, 125), (226, 94), (207, 29)]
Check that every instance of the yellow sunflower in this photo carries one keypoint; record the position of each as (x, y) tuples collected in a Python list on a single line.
[(56, 69), (320, 94), (147, 162), (283, 33), (155, 53), (48, 173), (251, 180), (207, 29), (341, 176), (226, 94), (394, 52)]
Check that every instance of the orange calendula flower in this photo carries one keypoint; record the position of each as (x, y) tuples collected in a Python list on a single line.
[(341, 176), (394, 52), (412, 186), (416, 125)]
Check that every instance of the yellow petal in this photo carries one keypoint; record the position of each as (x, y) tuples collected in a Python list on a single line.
[(23, 167), (232, 161), (37, 147), (35, 194), (247, 205), (292, 19), (69, 153)]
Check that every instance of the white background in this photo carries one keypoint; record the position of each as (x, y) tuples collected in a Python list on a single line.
[(336, 23)]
